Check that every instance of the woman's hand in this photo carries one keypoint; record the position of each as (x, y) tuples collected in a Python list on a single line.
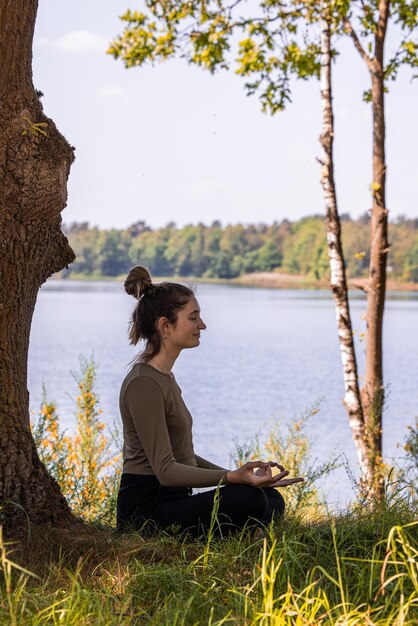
[(262, 476)]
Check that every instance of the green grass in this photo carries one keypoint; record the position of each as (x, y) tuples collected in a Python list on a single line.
[(360, 567)]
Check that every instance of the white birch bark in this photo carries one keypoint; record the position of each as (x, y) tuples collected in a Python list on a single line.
[(352, 398)]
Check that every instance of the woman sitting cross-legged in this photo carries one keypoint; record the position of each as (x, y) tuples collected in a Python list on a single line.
[(160, 467)]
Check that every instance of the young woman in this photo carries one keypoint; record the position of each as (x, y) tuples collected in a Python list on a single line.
[(160, 467)]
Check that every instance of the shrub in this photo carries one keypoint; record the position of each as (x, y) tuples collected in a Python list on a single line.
[(291, 448), (84, 464)]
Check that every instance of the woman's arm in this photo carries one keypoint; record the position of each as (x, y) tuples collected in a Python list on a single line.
[(145, 401), (201, 462)]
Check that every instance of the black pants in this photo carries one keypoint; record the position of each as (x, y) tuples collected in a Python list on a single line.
[(143, 501)]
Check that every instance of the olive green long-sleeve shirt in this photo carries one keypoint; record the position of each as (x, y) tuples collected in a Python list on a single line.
[(157, 432)]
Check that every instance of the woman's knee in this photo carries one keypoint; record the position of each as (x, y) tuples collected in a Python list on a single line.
[(249, 500), (276, 503)]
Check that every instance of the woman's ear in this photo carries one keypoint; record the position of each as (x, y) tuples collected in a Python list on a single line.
[(163, 325)]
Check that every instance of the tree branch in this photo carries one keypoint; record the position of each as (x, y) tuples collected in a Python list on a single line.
[(362, 284), (350, 30), (381, 28), (233, 5), (383, 18)]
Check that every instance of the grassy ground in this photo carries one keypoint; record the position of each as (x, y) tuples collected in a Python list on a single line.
[(357, 568)]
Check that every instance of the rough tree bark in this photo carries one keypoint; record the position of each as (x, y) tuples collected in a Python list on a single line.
[(372, 393), (338, 281), (35, 160)]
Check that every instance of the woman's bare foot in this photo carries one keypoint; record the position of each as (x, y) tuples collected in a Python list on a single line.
[(259, 533)]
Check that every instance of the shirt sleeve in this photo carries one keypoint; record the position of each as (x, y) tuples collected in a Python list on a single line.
[(201, 462), (145, 402)]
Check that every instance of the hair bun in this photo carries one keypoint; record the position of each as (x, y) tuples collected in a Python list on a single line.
[(138, 282)]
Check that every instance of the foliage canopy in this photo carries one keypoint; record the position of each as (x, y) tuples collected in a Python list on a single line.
[(227, 252), (267, 41)]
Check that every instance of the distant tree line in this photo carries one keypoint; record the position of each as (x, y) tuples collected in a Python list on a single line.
[(218, 251)]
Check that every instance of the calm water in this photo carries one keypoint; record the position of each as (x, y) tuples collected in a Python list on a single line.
[(266, 355)]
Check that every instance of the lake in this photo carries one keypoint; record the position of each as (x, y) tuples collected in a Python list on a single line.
[(266, 354)]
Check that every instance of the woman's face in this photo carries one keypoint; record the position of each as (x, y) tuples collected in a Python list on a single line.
[(185, 333)]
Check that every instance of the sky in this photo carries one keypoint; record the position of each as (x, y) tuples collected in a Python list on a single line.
[(173, 143)]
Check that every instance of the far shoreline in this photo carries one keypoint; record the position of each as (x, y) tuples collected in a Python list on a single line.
[(264, 280)]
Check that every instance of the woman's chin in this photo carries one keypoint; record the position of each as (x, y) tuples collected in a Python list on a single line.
[(193, 343)]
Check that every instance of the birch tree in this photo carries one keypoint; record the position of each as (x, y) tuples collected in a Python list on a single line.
[(35, 161), (338, 279), (278, 41)]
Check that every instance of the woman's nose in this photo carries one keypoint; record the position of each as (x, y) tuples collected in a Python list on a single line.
[(202, 325)]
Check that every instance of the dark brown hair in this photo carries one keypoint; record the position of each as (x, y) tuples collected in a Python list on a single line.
[(154, 301)]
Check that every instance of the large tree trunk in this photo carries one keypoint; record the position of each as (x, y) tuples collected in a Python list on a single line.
[(34, 166), (373, 389), (338, 282), (372, 393)]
